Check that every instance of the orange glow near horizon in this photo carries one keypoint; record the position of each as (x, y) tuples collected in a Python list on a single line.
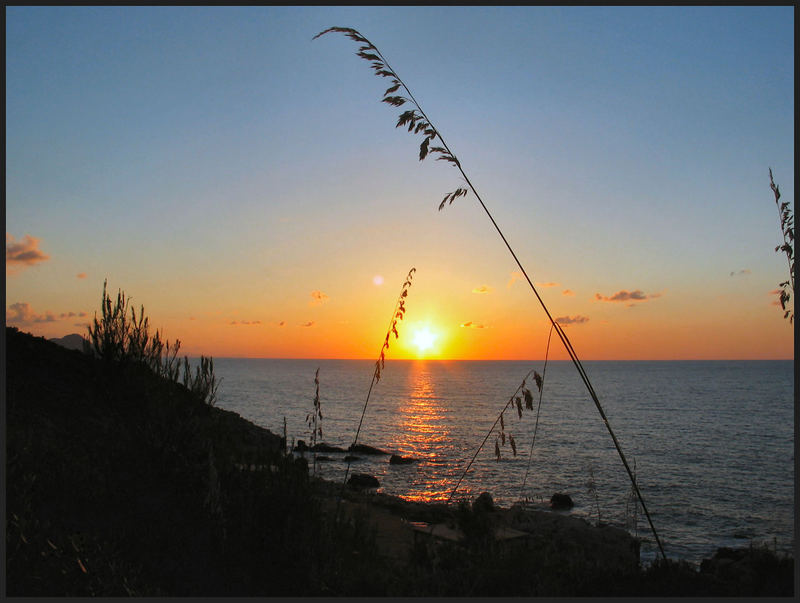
[(663, 330)]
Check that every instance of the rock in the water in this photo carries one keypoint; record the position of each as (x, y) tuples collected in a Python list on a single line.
[(325, 448), (364, 449), (301, 446), (484, 502), (396, 459), (561, 501), (363, 480), (350, 458)]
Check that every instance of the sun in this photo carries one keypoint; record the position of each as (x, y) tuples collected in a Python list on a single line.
[(424, 340)]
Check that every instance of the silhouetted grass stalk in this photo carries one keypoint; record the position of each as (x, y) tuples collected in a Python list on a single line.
[(538, 409), (397, 314), (787, 228), (418, 121), (513, 401), (314, 420)]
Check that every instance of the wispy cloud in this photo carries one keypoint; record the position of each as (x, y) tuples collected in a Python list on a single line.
[(482, 289), (245, 322), (22, 313), (568, 292), (627, 296), (776, 302), (310, 323), (23, 253), (515, 276), (547, 284), (281, 323), (318, 298), (80, 275), (473, 325), (572, 320), (742, 272)]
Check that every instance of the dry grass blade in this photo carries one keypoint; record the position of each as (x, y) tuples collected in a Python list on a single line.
[(501, 436), (397, 314), (415, 119), (382, 68), (787, 228), (314, 419), (540, 384)]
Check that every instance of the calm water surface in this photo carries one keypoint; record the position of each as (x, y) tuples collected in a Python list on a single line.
[(712, 441)]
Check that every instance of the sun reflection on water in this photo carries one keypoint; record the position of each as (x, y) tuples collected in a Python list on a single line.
[(422, 433)]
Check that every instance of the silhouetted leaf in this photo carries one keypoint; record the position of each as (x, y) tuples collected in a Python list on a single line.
[(449, 158), (395, 100), (442, 204), (496, 450), (528, 398), (513, 444), (405, 117), (519, 407), (368, 56), (348, 30), (423, 149), (392, 89), (502, 423)]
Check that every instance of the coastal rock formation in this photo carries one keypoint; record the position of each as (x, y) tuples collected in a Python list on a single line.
[(364, 449), (484, 502), (749, 571), (363, 480), (561, 501), (323, 447), (396, 459), (604, 548)]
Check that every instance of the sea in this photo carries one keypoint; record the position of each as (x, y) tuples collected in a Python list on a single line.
[(710, 443)]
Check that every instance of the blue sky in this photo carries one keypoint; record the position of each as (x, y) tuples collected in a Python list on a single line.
[(216, 163)]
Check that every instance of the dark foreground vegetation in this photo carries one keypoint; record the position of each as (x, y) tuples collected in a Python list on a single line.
[(124, 482)]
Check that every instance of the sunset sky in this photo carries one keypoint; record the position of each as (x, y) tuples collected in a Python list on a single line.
[(247, 186)]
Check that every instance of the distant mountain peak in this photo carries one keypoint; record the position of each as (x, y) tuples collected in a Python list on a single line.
[(73, 341)]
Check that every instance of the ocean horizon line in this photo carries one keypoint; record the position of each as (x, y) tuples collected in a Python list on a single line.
[(567, 360)]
